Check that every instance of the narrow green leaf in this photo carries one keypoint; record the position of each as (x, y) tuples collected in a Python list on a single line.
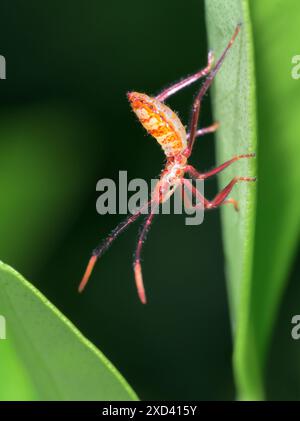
[(234, 107), (276, 37), (53, 360)]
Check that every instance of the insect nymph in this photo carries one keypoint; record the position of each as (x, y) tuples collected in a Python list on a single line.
[(165, 126)]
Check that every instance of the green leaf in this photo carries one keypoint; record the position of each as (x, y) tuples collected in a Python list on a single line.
[(258, 261), (234, 107), (276, 37), (45, 356)]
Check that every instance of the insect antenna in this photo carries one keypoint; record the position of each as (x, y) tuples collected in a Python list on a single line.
[(107, 242), (137, 257)]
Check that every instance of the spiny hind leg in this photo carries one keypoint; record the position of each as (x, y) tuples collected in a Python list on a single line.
[(171, 90), (202, 91)]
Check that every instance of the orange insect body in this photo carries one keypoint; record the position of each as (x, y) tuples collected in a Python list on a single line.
[(161, 122)]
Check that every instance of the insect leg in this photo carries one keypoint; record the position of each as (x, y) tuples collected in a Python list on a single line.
[(221, 198), (206, 130), (137, 258), (202, 201), (106, 243), (171, 90), (202, 92), (196, 174), (186, 200)]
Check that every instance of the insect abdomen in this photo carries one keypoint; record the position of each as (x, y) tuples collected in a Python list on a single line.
[(159, 121)]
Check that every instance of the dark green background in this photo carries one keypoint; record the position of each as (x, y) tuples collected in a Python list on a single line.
[(69, 66)]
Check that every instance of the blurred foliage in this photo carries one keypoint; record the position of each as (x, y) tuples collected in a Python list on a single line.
[(276, 35), (65, 123), (41, 179)]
